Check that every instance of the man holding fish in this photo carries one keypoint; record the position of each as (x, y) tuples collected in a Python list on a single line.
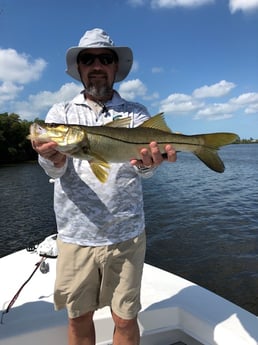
[(101, 229)]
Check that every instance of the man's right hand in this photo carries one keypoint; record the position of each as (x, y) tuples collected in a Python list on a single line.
[(48, 151)]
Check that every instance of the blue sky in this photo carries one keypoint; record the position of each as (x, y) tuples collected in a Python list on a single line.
[(196, 60)]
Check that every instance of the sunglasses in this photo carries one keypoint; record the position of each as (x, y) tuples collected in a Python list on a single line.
[(104, 59)]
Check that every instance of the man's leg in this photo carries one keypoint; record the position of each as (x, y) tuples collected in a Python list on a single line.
[(81, 330), (126, 331)]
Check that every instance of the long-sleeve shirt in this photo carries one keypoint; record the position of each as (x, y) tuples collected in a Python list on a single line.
[(88, 212)]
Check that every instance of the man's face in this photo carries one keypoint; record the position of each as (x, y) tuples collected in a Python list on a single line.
[(97, 72)]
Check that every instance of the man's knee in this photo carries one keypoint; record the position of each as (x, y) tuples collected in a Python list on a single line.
[(123, 323), (82, 323)]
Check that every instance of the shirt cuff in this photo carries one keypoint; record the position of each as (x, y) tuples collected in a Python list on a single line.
[(50, 168), (145, 172)]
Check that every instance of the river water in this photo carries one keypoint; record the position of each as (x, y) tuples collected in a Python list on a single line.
[(200, 224)]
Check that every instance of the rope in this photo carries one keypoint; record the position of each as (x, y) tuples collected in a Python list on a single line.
[(20, 289)]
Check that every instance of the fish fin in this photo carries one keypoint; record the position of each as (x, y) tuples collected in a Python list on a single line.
[(125, 122), (100, 168), (157, 122), (211, 143), (211, 159)]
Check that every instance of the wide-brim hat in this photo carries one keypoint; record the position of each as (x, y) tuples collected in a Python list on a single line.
[(98, 38)]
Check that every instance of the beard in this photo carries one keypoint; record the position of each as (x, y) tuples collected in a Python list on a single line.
[(99, 91)]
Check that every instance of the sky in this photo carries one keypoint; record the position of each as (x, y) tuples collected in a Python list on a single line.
[(194, 60)]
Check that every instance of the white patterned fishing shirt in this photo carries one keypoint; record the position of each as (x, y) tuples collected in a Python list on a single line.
[(88, 212)]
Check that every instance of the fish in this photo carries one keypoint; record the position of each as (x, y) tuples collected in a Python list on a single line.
[(115, 142)]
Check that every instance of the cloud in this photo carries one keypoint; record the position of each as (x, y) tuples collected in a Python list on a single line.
[(216, 111), (170, 3), (200, 106), (216, 90), (40, 103), (18, 68), (248, 101), (243, 5), (135, 66), (245, 98), (132, 89), (234, 5), (156, 70), (180, 103), (179, 3), (9, 91), (136, 3), (252, 109)]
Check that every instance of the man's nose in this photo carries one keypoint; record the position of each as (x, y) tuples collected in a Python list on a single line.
[(97, 63)]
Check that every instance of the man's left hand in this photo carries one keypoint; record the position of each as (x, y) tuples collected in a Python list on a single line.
[(153, 157)]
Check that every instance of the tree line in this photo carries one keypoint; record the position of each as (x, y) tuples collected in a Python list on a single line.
[(14, 145)]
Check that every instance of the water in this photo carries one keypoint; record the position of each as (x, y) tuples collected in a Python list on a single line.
[(200, 225)]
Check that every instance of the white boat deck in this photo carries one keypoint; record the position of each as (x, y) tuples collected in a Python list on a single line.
[(174, 310)]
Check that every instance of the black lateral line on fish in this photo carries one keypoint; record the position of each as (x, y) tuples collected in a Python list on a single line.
[(131, 142)]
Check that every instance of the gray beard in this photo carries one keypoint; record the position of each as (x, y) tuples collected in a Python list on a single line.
[(102, 92)]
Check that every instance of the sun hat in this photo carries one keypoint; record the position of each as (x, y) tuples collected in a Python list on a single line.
[(98, 38)]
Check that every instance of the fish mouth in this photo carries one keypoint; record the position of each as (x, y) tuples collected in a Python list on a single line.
[(36, 131)]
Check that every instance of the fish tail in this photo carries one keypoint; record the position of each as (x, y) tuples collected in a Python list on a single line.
[(208, 151)]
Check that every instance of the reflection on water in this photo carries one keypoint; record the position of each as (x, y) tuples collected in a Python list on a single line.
[(200, 225)]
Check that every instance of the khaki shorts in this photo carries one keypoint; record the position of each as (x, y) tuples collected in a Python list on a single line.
[(89, 278)]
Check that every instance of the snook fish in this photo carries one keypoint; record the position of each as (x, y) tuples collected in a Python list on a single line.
[(116, 143)]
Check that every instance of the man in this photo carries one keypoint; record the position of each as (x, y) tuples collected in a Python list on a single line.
[(101, 238)]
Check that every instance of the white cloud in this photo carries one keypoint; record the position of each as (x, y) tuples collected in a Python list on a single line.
[(135, 66), (8, 91), (216, 90), (170, 3), (234, 5), (248, 101), (18, 68), (136, 3), (203, 109), (156, 70), (180, 103), (179, 3), (131, 89), (152, 97), (41, 102), (245, 98), (216, 111), (252, 109), (243, 5)]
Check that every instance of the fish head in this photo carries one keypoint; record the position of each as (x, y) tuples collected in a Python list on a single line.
[(63, 135)]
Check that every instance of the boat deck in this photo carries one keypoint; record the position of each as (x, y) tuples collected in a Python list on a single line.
[(174, 311)]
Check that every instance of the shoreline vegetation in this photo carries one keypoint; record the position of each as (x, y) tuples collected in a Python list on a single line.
[(16, 148)]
